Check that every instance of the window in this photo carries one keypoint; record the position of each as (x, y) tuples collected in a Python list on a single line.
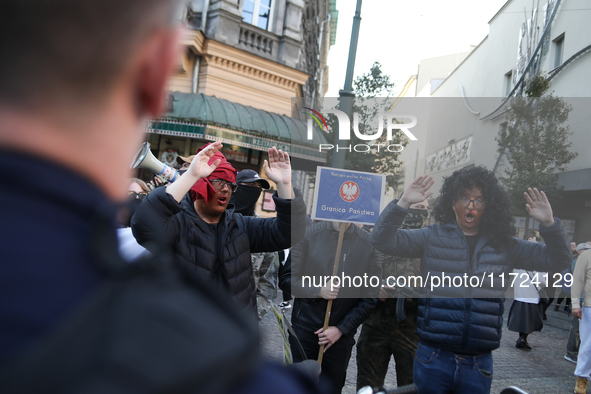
[(558, 50), (257, 12), (508, 83)]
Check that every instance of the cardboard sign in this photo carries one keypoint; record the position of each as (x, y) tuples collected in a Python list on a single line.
[(348, 196)]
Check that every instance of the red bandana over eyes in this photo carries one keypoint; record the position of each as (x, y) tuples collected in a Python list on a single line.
[(202, 189)]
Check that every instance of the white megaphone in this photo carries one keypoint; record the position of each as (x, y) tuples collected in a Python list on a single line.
[(145, 159)]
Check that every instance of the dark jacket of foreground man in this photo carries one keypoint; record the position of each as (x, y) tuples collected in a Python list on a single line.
[(76, 318)]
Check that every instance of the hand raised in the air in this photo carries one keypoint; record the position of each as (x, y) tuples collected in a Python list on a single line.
[(278, 169), (417, 191), (538, 206), (199, 167), (197, 170)]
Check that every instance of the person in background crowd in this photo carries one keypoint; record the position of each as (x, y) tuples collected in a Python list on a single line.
[(129, 248), (573, 246), (315, 256), (139, 187), (212, 241), (264, 264), (527, 309), (79, 80), (391, 329), (581, 288), (184, 163), (476, 236), (574, 338), (309, 220), (136, 192), (563, 296), (283, 258)]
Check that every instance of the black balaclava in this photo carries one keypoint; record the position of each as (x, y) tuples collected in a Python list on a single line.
[(245, 198)]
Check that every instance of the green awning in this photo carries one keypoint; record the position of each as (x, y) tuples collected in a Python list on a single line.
[(208, 117)]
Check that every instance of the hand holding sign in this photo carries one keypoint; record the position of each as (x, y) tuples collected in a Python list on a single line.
[(327, 337), (347, 197), (329, 292), (417, 191), (386, 292)]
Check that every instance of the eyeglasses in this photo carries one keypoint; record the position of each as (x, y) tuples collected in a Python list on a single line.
[(133, 195), (464, 202), (218, 184)]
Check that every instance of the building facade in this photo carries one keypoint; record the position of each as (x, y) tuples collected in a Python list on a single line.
[(243, 63), (468, 109)]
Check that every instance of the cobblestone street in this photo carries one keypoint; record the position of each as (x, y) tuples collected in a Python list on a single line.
[(542, 370)]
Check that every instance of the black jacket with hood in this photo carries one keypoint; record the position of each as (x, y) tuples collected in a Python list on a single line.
[(161, 220), (314, 256)]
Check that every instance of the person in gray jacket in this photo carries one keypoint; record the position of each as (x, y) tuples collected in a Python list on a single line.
[(466, 261)]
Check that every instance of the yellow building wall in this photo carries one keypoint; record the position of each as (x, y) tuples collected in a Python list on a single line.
[(236, 75)]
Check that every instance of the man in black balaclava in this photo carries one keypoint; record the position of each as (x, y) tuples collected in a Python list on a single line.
[(265, 264), (250, 186)]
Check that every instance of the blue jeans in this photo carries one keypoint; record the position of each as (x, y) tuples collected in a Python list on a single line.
[(437, 371)]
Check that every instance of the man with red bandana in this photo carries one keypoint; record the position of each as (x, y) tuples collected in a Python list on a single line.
[(210, 240), (465, 262)]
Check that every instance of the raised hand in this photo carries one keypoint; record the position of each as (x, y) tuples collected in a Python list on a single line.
[(538, 206), (278, 169), (417, 191), (197, 170), (199, 167)]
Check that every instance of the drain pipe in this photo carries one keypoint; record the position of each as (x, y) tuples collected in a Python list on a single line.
[(204, 15), (195, 74)]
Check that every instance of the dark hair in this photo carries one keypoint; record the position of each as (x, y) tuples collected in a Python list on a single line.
[(497, 222), (56, 51)]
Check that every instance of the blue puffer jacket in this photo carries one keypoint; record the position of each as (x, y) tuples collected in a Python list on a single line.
[(469, 320)]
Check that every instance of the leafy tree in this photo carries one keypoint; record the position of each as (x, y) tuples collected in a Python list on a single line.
[(535, 141), (373, 84), (371, 90)]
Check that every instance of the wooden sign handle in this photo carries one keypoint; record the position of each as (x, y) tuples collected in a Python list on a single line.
[(335, 271)]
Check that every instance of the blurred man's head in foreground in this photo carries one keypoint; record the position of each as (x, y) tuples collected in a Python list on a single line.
[(73, 52), (79, 78)]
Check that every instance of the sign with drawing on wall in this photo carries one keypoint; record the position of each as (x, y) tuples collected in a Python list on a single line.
[(457, 154)]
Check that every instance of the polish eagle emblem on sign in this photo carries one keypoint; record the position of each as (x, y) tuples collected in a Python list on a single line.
[(349, 191)]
